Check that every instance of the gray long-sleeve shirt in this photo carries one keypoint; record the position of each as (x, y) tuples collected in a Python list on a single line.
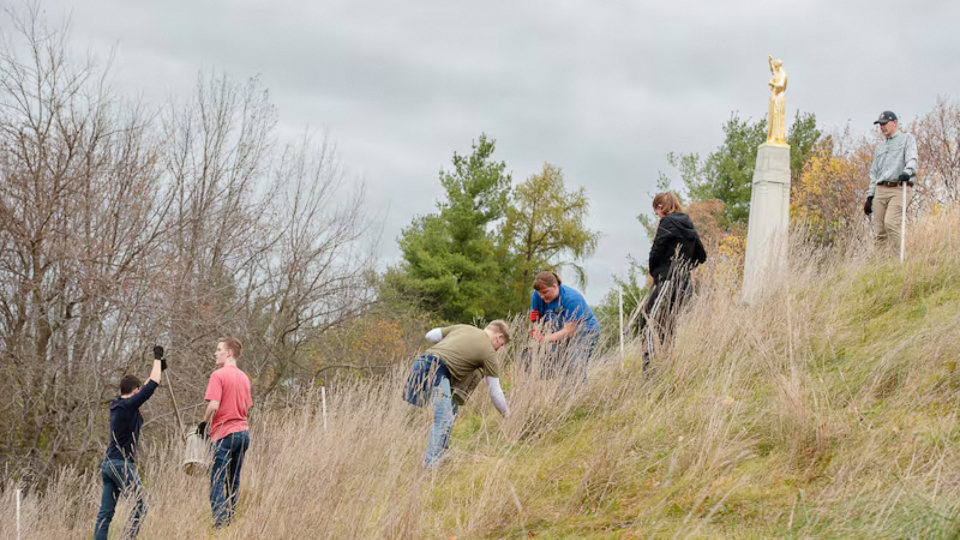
[(893, 157)]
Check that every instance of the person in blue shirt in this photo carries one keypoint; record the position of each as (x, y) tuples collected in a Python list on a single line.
[(119, 468), (566, 318)]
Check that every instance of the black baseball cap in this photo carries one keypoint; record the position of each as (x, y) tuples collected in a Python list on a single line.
[(886, 116)]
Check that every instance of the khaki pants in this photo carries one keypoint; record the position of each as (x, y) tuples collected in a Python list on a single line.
[(887, 214)]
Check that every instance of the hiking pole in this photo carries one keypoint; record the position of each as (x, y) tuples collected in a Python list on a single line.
[(18, 513), (176, 409), (158, 354), (903, 220)]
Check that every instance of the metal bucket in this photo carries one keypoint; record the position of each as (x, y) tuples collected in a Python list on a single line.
[(197, 455)]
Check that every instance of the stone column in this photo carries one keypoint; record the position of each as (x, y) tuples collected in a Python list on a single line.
[(766, 257)]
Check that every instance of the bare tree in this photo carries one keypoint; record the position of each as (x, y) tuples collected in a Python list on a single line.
[(78, 215), (938, 143), (318, 277), (267, 246), (122, 226)]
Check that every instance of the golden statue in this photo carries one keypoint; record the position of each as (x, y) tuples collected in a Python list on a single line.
[(776, 119)]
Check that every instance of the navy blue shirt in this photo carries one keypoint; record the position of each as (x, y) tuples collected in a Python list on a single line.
[(568, 306), (125, 423)]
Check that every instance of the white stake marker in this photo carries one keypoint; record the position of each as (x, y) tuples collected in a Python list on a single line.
[(903, 220), (323, 400), (18, 514)]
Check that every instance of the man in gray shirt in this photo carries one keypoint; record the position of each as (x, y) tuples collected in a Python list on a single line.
[(894, 164)]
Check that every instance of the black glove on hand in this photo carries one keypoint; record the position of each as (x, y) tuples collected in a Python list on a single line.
[(868, 206), (904, 177), (202, 430), (158, 355)]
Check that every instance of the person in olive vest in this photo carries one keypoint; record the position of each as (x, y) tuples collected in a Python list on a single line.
[(458, 352)]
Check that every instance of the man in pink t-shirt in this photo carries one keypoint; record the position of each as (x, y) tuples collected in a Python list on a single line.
[(228, 397)]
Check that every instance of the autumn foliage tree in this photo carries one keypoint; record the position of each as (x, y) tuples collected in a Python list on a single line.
[(828, 196), (545, 228), (475, 257), (726, 174)]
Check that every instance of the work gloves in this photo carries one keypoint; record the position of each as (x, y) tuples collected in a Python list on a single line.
[(158, 355), (868, 206), (202, 430), (904, 178), (535, 332), (536, 335)]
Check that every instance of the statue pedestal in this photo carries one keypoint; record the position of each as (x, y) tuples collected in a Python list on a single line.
[(766, 257)]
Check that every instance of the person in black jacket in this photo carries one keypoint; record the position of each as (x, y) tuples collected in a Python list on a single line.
[(119, 467), (676, 250)]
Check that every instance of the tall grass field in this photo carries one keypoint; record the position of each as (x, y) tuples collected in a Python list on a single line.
[(826, 409)]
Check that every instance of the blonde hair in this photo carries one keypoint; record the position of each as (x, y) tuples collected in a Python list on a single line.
[(499, 326), (667, 202), (546, 279)]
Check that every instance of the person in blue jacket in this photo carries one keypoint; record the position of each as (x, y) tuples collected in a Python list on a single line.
[(566, 318), (119, 467)]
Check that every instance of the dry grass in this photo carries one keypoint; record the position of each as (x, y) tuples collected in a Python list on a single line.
[(828, 409)]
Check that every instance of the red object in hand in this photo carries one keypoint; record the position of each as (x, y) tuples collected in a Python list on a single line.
[(534, 315), (535, 334)]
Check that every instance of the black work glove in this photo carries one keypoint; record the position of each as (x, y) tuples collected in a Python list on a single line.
[(904, 178), (158, 355), (202, 430), (868, 206)]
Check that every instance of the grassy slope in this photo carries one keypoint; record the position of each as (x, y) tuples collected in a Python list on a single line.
[(827, 410)]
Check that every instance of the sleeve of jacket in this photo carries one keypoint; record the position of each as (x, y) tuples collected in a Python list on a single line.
[(910, 155), (874, 174), (699, 253), (658, 251), (143, 395), (536, 303)]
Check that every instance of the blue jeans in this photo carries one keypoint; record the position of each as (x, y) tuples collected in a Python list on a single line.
[(225, 476), (424, 374), (584, 344), (119, 476), (430, 379), (444, 414)]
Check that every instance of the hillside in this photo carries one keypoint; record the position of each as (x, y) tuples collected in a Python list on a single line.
[(826, 410)]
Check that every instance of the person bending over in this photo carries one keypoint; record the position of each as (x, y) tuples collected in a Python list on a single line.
[(567, 320), (457, 352)]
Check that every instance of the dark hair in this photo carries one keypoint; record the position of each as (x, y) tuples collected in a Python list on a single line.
[(129, 384), (546, 279), (232, 344)]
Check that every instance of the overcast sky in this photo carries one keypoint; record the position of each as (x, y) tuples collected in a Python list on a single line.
[(601, 89)]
